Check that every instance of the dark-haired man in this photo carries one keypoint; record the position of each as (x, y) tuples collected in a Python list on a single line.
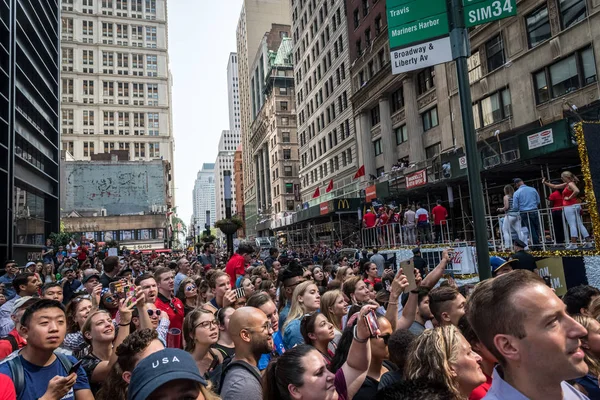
[(70, 285), (26, 284), (148, 285), (207, 258), (273, 256), (527, 328), (447, 305), (111, 271), (46, 374), (52, 291), (11, 269), (423, 315), (578, 299), (236, 266)]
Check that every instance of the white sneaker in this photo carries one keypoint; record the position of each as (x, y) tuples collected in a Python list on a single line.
[(571, 246), (588, 245)]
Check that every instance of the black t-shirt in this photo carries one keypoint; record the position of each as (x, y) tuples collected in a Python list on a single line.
[(89, 364), (421, 265), (106, 280), (390, 378), (526, 261), (368, 390)]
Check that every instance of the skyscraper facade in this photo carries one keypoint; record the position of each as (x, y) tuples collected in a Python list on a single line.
[(255, 20), (29, 126), (204, 197), (227, 146), (116, 85)]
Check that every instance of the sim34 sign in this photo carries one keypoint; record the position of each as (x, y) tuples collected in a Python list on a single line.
[(479, 12)]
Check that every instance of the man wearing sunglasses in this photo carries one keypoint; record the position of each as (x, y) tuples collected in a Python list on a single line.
[(251, 332), (170, 304)]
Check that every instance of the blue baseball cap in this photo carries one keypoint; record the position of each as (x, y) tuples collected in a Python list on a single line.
[(497, 263), (159, 368)]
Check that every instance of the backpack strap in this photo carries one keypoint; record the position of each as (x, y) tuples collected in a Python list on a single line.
[(64, 360), (12, 340), (241, 364), (18, 375)]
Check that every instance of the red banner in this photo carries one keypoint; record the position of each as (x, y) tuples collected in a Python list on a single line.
[(417, 179), (324, 208), (371, 193)]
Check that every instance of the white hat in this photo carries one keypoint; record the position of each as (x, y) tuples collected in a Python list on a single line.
[(19, 303)]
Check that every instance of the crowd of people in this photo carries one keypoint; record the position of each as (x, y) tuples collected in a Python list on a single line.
[(193, 326)]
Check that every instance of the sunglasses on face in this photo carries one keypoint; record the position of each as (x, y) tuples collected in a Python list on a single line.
[(189, 288), (151, 313), (386, 338), (110, 299)]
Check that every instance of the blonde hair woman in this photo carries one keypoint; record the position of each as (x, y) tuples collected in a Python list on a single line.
[(334, 308), (444, 356), (305, 299), (571, 208), (512, 220), (590, 344)]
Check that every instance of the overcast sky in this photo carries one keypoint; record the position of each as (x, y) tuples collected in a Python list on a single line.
[(200, 40)]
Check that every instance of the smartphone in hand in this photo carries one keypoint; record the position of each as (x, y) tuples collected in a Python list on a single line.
[(372, 323), (75, 367), (408, 268)]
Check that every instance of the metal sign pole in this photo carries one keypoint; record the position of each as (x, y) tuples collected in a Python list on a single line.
[(459, 38)]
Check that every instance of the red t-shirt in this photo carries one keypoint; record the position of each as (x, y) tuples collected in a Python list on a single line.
[(6, 346), (439, 214), (383, 219), (83, 253), (235, 266), (557, 200), (7, 388), (176, 313), (369, 219), (480, 391)]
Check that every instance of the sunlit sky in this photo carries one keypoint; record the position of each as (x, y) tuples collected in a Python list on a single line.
[(200, 40)]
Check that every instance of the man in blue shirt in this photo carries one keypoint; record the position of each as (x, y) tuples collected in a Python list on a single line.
[(184, 271), (11, 269), (526, 327), (44, 324), (526, 201)]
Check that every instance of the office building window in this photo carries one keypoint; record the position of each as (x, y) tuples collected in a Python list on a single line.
[(572, 11), (538, 26), (494, 48), (284, 105), (287, 154), (493, 108), (565, 76), (289, 188), (375, 117), (285, 137), (398, 100), (401, 134), (425, 80), (430, 119), (287, 170), (289, 204), (356, 18), (377, 147), (432, 151), (474, 66)]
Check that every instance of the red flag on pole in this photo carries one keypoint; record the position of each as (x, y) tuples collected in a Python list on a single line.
[(317, 193), (329, 187), (360, 172)]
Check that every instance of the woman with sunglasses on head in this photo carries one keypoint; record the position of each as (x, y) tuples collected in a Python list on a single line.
[(317, 331), (200, 333), (188, 294), (305, 299), (225, 343), (379, 355), (99, 332), (301, 373), (77, 312)]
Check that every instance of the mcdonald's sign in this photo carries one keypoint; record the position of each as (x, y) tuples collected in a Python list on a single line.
[(343, 204)]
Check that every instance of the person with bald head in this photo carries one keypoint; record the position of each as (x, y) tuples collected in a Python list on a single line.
[(183, 265), (251, 332)]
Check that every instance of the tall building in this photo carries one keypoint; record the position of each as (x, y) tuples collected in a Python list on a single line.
[(233, 92), (274, 137), (238, 179), (204, 197), (29, 126), (116, 85), (255, 19), (325, 121), (228, 144)]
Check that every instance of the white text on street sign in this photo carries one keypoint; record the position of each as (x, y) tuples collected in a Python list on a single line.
[(487, 11)]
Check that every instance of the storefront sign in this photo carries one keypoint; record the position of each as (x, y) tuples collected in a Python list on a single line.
[(540, 139), (324, 208), (343, 204), (417, 179), (371, 193), (145, 246)]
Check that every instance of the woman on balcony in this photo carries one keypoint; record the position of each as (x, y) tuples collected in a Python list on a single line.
[(572, 208), (512, 220)]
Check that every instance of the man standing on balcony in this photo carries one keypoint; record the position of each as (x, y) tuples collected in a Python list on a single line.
[(526, 200), (439, 218)]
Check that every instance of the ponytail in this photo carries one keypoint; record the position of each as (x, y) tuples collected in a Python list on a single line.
[(271, 389), (284, 370)]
